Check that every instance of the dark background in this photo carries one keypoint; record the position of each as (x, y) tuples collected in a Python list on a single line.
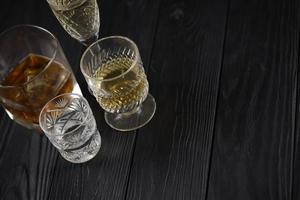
[(225, 77)]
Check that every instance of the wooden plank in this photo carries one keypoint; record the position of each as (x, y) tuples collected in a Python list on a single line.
[(27, 159), (172, 152), (254, 134), (296, 160), (27, 162), (106, 176), (296, 173)]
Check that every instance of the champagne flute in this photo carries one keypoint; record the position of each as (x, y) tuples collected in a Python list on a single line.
[(80, 18)]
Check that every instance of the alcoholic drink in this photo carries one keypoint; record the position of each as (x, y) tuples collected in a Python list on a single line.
[(114, 72), (80, 18), (124, 91), (31, 84)]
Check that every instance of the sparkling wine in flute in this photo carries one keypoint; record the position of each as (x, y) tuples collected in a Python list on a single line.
[(80, 18)]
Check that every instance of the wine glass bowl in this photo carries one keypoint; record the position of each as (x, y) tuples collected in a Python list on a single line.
[(114, 72), (80, 18)]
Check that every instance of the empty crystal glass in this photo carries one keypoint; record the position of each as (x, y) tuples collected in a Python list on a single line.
[(68, 122), (114, 71)]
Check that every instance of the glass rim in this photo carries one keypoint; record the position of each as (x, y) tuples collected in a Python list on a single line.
[(136, 57), (51, 59), (58, 96)]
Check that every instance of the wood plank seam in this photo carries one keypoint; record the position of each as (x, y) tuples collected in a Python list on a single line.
[(175, 166), (52, 177), (296, 117), (239, 148), (146, 71), (218, 95)]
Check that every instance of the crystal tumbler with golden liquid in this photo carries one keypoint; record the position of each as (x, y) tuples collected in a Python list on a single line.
[(114, 71), (33, 70)]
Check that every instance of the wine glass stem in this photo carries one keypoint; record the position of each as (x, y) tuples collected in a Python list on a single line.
[(90, 40), (135, 110)]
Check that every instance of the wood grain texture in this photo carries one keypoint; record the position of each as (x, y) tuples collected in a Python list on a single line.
[(254, 134), (251, 122), (27, 159), (106, 176), (172, 152), (296, 173), (26, 163), (296, 158)]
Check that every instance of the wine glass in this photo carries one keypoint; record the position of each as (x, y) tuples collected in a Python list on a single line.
[(114, 71), (80, 18)]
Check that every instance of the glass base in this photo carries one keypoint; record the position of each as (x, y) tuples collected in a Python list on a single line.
[(134, 119), (85, 153)]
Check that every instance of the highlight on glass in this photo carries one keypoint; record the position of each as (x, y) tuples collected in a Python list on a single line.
[(114, 71)]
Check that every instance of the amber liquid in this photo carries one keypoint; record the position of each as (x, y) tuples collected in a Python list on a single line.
[(124, 93), (35, 83)]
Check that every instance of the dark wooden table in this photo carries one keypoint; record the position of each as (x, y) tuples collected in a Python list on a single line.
[(225, 77)]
